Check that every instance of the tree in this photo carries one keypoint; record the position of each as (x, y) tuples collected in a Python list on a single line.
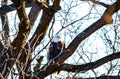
[(20, 50)]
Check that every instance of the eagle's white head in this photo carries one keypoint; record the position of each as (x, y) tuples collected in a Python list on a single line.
[(57, 38)]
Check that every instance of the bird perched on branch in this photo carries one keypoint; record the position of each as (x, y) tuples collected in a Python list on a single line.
[(56, 47)]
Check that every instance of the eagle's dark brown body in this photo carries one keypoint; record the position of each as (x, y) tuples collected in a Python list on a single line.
[(55, 48)]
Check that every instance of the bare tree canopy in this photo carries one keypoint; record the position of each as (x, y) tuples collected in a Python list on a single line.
[(18, 51)]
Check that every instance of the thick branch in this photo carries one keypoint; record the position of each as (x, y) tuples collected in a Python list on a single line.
[(91, 65), (100, 3), (11, 7), (78, 68), (5, 25), (8, 8), (48, 13), (26, 55), (19, 42), (34, 12)]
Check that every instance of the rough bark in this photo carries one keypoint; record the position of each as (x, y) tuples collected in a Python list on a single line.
[(48, 13), (9, 8), (5, 25), (25, 58), (18, 43), (34, 12)]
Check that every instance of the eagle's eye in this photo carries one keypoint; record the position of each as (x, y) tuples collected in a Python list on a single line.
[(59, 37)]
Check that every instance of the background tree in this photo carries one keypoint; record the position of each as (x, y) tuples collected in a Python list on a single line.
[(27, 28)]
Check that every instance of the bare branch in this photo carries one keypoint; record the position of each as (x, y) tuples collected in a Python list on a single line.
[(91, 65), (100, 3)]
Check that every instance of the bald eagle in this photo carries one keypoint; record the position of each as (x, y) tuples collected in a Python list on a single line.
[(56, 47)]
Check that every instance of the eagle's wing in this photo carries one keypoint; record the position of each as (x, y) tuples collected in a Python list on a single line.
[(55, 49), (50, 54)]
